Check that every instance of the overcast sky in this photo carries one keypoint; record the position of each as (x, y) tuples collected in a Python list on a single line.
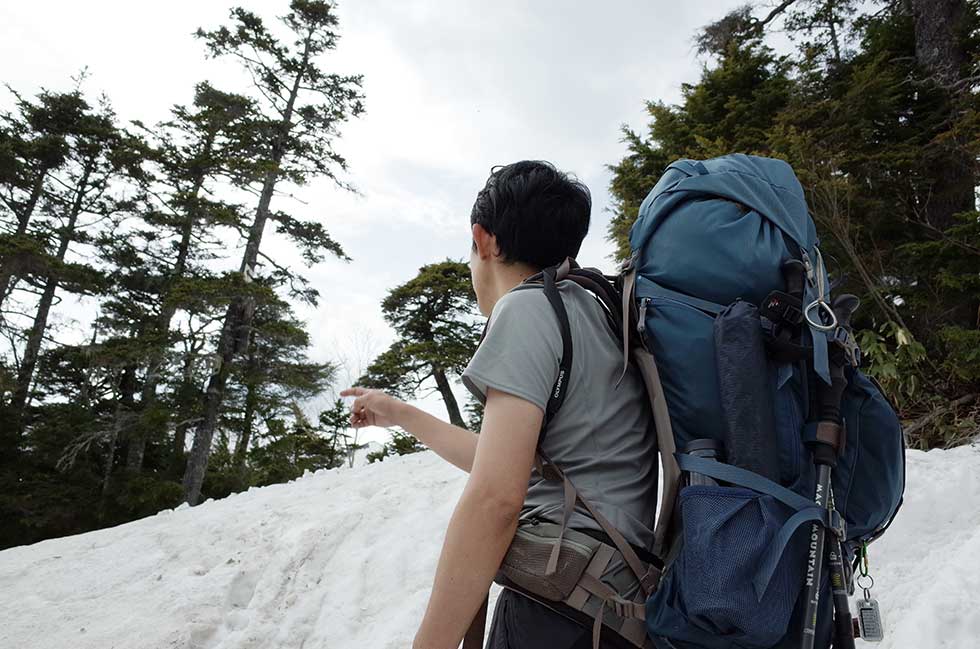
[(452, 87)]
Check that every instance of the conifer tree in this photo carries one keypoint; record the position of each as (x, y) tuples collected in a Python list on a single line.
[(276, 375), (33, 143), (302, 109), (198, 147), (434, 317), (79, 197)]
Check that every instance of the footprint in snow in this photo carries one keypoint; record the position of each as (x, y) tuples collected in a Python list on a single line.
[(242, 589)]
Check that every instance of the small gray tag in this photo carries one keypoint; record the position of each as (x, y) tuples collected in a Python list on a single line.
[(869, 621)]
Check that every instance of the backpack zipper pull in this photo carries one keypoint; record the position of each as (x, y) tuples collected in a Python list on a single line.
[(641, 322), (808, 265)]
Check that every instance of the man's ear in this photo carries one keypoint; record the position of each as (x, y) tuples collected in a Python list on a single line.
[(486, 243)]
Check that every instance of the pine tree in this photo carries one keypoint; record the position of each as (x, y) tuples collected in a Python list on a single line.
[(294, 145), (192, 152), (334, 425), (434, 317), (276, 375), (79, 196), (33, 143)]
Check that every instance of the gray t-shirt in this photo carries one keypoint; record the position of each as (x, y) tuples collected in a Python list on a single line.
[(603, 438)]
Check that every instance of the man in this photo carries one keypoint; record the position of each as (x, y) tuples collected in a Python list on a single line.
[(529, 216)]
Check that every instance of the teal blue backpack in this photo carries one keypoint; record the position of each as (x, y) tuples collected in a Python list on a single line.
[(758, 368)]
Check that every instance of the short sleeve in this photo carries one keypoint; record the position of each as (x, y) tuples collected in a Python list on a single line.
[(521, 351)]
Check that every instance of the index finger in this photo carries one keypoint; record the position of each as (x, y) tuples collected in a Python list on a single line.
[(354, 391)]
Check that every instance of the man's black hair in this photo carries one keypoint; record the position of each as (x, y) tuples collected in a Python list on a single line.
[(538, 214)]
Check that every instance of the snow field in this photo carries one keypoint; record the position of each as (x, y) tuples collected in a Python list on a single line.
[(344, 559)]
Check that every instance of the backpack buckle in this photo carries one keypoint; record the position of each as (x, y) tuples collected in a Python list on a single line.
[(845, 340), (629, 263), (837, 524), (783, 308)]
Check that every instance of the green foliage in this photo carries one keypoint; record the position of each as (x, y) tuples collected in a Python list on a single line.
[(400, 444), (303, 148), (135, 222), (434, 317), (893, 357), (145, 495), (287, 453), (963, 360), (731, 109), (887, 152)]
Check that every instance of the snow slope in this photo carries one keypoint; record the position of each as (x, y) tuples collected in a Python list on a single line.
[(344, 559)]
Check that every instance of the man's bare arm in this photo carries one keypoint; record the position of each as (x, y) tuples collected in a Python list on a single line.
[(483, 524), (376, 408), (452, 443)]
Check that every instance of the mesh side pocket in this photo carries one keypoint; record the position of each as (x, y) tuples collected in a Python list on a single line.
[(526, 560), (727, 535)]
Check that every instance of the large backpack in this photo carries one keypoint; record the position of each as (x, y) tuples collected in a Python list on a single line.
[(725, 309), (710, 252)]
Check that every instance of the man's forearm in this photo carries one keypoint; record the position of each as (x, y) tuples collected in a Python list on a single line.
[(452, 443), (479, 533)]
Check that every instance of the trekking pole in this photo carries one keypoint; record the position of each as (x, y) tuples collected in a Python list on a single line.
[(825, 449), (843, 307), (814, 568), (843, 624)]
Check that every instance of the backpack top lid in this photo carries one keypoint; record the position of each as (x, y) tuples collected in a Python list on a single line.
[(724, 228), (764, 185)]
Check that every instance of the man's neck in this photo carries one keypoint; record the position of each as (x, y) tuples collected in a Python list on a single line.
[(507, 277)]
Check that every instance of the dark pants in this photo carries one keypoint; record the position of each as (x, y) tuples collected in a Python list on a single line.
[(522, 623)]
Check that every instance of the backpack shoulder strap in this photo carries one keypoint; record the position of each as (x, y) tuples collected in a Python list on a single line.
[(606, 293), (630, 328), (548, 279), (551, 276), (645, 362)]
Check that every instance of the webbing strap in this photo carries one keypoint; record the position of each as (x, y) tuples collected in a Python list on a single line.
[(608, 597), (647, 576), (743, 478), (623, 607), (567, 507), (665, 443), (777, 546), (629, 285), (597, 566), (814, 291), (549, 278), (603, 555)]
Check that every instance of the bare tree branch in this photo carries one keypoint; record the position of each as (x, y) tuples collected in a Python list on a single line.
[(775, 13), (925, 420)]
